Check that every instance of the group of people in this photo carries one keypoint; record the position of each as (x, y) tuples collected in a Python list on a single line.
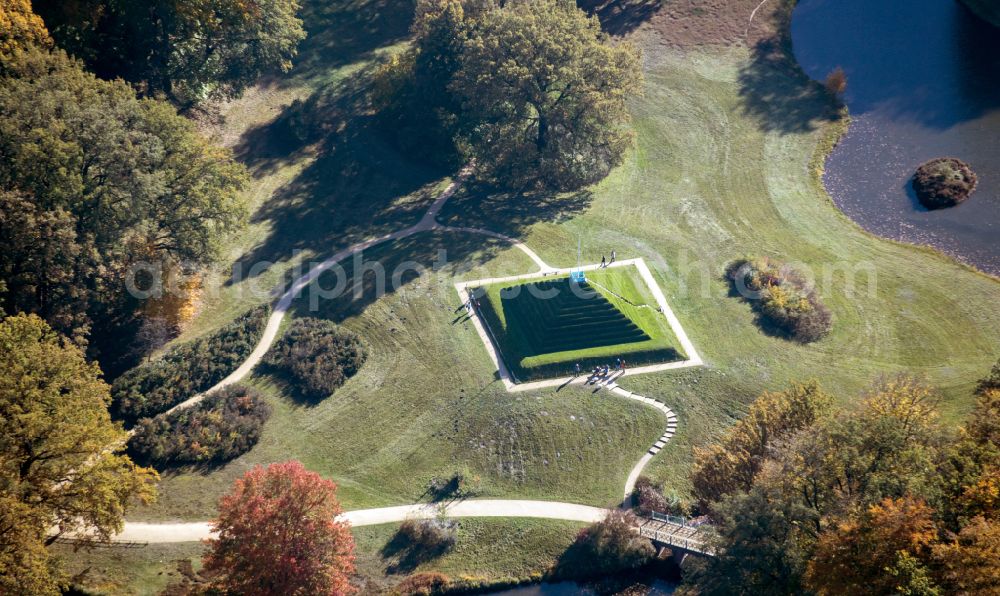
[(605, 372)]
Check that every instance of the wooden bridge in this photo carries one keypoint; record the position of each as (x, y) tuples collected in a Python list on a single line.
[(675, 533)]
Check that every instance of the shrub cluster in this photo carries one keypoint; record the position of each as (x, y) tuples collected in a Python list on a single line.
[(317, 355), (423, 584), (781, 298), (650, 498), (608, 546), (430, 536), (943, 182), (224, 425), (187, 369)]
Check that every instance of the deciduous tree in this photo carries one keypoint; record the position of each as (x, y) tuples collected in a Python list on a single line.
[(970, 563), (277, 535), (185, 50), (60, 470), (732, 464), (543, 94), (100, 180), (862, 554), (20, 29)]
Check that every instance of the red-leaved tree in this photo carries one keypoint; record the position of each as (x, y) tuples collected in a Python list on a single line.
[(277, 535)]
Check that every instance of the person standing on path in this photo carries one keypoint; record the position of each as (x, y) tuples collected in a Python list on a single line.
[(612, 256), (604, 262)]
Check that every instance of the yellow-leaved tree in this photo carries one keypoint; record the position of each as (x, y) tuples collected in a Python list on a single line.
[(61, 471)]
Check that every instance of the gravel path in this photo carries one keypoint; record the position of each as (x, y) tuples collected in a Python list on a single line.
[(194, 531)]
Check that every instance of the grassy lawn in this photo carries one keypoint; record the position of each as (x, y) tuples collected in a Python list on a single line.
[(487, 550), (721, 170), (545, 327), (427, 404), (725, 141), (137, 571)]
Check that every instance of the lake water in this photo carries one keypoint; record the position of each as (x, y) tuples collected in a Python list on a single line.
[(659, 588), (923, 81)]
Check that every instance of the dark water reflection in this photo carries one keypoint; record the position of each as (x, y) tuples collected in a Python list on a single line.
[(659, 588), (923, 81)]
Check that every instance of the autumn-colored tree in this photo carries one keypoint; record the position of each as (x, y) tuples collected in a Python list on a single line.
[(970, 563), (608, 546), (543, 94), (884, 447), (857, 555), (761, 541), (970, 477), (60, 470), (278, 535), (20, 29), (732, 463)]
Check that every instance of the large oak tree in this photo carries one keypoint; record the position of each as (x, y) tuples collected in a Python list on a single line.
[(543, 94), (60, 470), (95, 180)]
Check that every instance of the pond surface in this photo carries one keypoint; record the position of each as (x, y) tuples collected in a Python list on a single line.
[(923, 81), (659, 588)]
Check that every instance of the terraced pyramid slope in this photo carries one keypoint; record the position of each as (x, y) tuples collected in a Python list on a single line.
[(561, 315)]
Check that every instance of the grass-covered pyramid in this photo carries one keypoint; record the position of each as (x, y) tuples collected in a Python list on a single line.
[(561, 315), (545, 327)]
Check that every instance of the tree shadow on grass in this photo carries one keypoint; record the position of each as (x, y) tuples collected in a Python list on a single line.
[(403, 555), (357, 184), (347, 289), (511, 212), (779, 96), (341, 32), (619, 17)]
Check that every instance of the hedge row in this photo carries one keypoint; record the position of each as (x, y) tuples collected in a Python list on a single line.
[(187, 369), (781, 298), (316, 356), (224, 425)]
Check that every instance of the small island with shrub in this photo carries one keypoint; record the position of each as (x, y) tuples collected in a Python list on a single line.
[(943, 182), (783, 301)]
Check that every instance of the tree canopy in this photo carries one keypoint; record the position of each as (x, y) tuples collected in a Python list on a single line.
[(543, 93), (94, 180), (277, 535), (872, 499), (183, 50), (60, 470), (20, 29), (532, 90)]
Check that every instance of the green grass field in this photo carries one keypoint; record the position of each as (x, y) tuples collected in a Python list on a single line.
[(726, 141), (486, 550), (548, 326)]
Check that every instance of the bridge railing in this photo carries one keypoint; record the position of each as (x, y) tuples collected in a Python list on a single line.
[(675, 541), (672, 519)]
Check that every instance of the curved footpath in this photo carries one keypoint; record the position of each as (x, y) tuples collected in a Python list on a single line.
[(194, 531)]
